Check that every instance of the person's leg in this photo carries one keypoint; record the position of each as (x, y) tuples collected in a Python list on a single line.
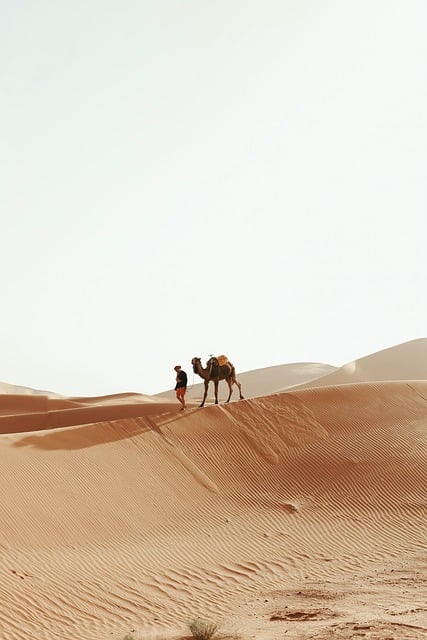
[(182, 396), (180, 393)]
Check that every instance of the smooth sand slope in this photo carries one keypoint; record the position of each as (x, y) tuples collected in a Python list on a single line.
[(407, 361), (295, 515)]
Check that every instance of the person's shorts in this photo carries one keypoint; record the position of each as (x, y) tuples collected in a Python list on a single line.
[(180, 391)]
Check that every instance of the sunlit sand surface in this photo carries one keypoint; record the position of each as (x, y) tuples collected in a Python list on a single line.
[(299, 512)]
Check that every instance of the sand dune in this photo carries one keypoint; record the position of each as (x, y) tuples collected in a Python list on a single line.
[(407, 361), (14, 389), (299, 514), (36, 412)]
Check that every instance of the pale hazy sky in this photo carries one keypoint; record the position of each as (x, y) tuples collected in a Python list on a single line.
[(189, 177)]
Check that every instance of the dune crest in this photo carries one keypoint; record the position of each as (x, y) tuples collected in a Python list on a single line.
[(407, 361)]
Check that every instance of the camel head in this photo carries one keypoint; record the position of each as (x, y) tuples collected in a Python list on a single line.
[(196, 362)]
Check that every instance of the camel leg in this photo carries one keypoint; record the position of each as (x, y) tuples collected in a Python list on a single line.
[(230, 389), (240, 388), (216, 391), (205, 394)]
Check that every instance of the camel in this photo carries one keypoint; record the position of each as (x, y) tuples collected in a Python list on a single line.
[(216, 372)]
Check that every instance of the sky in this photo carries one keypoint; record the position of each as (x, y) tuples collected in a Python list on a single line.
[(181, 178)]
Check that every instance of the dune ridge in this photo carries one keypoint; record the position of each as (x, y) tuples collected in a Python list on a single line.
[(300, 513), (406, 361)]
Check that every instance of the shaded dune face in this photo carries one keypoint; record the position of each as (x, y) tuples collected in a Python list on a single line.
[(144, 521), (25, 413)]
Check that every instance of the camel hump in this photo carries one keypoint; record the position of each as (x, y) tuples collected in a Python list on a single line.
[(222, 360)]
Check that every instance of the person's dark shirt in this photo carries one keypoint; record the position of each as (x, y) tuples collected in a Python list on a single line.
[(182, 379)]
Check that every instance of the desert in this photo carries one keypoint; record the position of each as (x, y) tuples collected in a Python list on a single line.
[(240, 180), (298, 512)]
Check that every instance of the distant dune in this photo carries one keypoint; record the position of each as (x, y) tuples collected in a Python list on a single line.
[(15, 389), (290, 514), (406, 361)]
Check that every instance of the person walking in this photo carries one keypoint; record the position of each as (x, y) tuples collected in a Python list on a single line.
[(181, 385)]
